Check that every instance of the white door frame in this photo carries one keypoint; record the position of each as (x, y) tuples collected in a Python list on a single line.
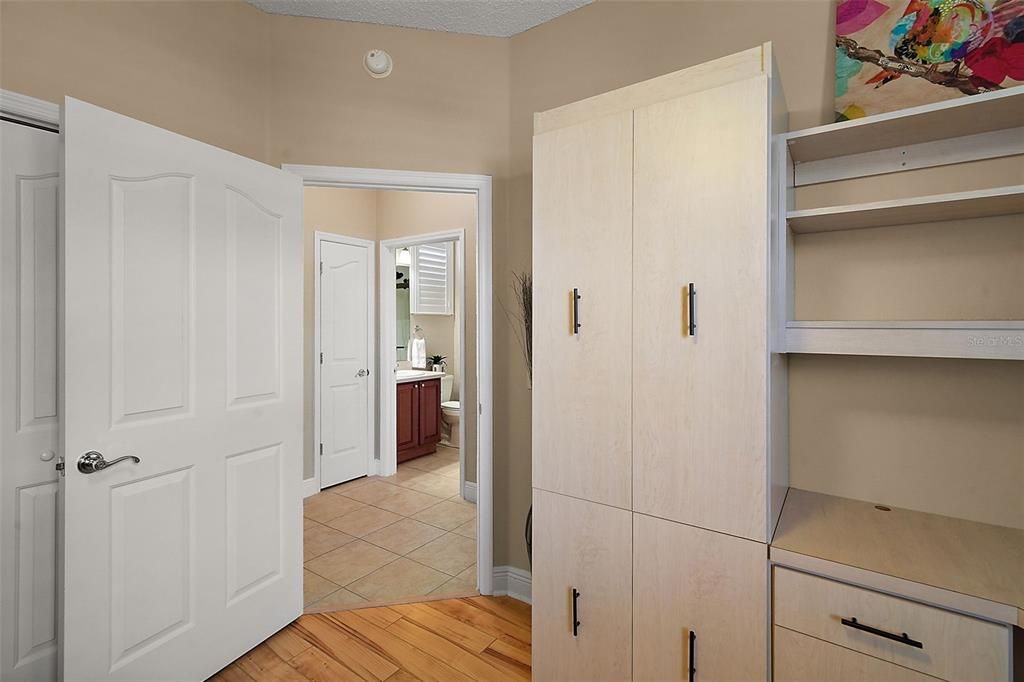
[(371, 346), (388, 462), (480, 187)]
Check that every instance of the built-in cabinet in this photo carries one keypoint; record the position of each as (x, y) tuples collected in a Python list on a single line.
[(920, 582), (651, 415), (419, 418), (666, 238)]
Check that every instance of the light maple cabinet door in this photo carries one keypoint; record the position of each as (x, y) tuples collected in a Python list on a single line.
[(582, 235), (687, 580), (585, 547), (700, 398)]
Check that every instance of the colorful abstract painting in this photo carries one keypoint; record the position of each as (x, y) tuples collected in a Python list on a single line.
[(894, 54)]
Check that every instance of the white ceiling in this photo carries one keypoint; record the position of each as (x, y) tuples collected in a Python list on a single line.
[(500, 18)]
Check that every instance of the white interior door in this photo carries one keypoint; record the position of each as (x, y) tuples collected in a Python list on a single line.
[(345, 309), (29, 201), (182, 343)]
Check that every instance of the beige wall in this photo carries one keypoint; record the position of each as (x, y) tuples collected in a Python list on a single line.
[(195, 68), (292, 90)]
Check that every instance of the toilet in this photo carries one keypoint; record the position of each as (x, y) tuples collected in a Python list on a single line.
[(450, 410)]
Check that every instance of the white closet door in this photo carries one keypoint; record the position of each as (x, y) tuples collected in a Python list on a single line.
[(182, 346), (701, 217), (29, 211), (345, 362), (582, 216)]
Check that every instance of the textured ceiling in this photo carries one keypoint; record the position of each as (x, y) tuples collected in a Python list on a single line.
[(501, 18)]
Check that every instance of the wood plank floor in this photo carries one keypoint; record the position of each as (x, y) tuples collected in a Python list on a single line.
[(473, 638)]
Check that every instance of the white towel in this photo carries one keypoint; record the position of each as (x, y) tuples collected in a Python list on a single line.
[(417, 353)]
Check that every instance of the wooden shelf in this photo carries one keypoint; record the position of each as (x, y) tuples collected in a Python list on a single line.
[(964, 565), (983, 340), (938, 207), (983, 113)]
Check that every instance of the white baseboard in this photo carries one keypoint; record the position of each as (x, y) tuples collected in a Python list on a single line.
[(310, 487), (469, 491), (513, 582)]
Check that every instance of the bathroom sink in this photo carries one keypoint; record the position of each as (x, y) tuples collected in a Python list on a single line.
[(403, 375)]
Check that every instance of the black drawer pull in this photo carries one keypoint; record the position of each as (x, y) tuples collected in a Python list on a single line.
[(693, 652), (574, 311), (575, 612), (901, 638), (691, 311)]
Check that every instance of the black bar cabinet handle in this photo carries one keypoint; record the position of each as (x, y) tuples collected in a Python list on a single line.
[(576, 311), (575, 612), (691, 321), (902, 638), (693, 651)]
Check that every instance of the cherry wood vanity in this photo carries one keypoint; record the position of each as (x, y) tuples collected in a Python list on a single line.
[(419, 418)]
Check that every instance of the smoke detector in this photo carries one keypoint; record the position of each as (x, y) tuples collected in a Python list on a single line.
[(377, 63)]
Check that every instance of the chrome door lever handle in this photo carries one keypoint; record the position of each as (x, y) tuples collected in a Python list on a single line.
[(93, 461), (363, 373)]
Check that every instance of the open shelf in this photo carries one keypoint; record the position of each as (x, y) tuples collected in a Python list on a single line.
[(975, 339), (938, 207), (998, 110), (965, 565)]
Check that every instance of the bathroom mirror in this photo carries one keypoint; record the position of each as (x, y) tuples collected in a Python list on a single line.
[(402, 329)]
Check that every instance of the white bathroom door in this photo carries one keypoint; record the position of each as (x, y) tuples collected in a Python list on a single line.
[(345, 309), (182, 346), (29, 200)]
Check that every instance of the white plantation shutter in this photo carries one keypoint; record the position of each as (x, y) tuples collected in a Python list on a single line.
[(431, 279)]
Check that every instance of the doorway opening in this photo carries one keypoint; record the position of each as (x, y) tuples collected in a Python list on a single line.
[(415, 521)]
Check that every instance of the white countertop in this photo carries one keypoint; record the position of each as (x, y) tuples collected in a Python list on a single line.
[(404, 376)]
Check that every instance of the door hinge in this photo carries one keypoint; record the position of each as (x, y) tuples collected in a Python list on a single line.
[(321, 449), (321, 358), (321, 268), (60, 465)]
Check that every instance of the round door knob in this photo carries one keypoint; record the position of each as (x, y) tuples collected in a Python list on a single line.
[(47, 455)]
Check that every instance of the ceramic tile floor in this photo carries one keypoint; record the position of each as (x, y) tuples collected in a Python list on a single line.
[(384, 539)]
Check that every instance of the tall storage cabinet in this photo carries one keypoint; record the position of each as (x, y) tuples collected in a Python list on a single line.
[(653, 426)]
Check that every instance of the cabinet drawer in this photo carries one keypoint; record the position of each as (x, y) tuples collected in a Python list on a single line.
[(799, 658), (952, 646)]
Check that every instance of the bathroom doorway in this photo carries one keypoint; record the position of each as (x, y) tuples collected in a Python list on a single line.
[(423, 288), (418, 525)]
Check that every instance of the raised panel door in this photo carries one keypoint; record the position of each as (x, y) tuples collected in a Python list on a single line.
[(29, 219), (344, 383), (430, 412), (700, 398), (182, 346), (408, 424), (582, 217)]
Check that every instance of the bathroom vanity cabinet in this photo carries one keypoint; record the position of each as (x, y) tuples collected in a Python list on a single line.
[(419, 418)]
